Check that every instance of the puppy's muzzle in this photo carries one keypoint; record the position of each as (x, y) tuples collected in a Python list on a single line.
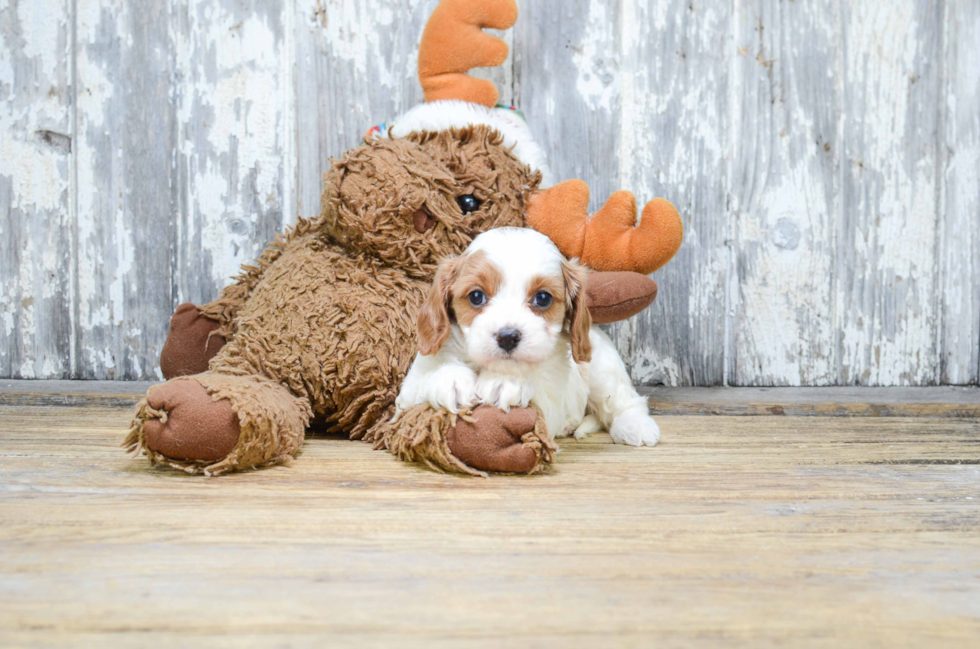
[(508, 339)]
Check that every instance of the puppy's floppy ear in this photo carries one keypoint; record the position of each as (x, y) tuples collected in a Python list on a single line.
[(577, 314), (433, 320)]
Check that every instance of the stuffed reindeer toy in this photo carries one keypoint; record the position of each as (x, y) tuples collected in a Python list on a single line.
[(323, 326)]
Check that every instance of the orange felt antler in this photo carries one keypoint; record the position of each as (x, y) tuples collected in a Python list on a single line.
[(453, 42), (610, 240)]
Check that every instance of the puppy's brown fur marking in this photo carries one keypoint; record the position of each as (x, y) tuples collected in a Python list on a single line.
[(575, 278), (455, 279), (434, 320), (477, 273), (555, 313)]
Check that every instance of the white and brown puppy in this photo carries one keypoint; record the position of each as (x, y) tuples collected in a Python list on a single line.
[(506, 324)]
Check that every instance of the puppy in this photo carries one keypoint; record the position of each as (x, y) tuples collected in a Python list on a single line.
[(506, 324)]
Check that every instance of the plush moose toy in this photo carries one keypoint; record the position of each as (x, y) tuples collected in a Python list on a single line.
[(323, 325)]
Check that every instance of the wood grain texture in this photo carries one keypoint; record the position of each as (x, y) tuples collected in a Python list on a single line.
[(570, 87), (35, 179), (887, 269), (959, 258), (745, 532), (823, 155), (676, 138), (235, 142), (124, 147), (785, 192), (937, 401)]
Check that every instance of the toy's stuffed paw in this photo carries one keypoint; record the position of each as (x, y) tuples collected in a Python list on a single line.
[(504, 442), (190, 345), (192, 426)]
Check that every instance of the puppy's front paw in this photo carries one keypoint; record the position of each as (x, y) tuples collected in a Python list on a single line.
[(503, 392), (636, 428), (452, 387)]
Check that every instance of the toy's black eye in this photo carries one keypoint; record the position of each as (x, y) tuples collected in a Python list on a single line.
[(468, 203), (477, 297), (543, 299)]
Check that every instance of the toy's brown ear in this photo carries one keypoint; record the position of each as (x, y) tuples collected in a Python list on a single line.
[(454, 42), (618, 295), (577, 310), (610, 240), (433, 321)]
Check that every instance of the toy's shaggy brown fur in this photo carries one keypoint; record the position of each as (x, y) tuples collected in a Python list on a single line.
[(324, 325)]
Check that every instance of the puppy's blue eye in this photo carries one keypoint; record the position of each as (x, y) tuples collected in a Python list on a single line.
[(477, 298), (468, 203), (543, 299)]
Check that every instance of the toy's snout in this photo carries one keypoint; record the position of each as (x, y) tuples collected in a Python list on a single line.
[(423, 220)]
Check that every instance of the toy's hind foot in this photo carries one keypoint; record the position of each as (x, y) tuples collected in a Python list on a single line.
[(191, 426), (214, 423)]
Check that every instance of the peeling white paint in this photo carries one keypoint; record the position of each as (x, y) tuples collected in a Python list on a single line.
[(959, 255), (886, 313), (648, 368), (41, 42), (782, 327), (674, 143), (232, 133), (595, 58), (38, 179), (356, 32), (7, 310), (34, 171)]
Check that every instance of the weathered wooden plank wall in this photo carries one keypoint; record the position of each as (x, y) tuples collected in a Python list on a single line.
[(785, 193), (36, 241), (123, 143), (825, 156), (959, 206)]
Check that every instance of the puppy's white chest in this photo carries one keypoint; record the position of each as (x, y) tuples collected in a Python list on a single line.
[(562, 395)]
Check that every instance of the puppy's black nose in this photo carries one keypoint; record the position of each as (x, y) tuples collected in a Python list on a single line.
[(507, 339)]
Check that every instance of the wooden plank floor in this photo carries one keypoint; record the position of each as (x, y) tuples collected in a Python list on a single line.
[(752, 531)]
